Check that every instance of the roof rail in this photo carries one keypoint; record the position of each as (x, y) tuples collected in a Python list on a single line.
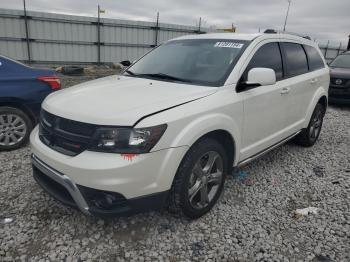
[(273, 31)]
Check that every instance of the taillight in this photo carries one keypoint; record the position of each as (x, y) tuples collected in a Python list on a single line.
[(53, 81)]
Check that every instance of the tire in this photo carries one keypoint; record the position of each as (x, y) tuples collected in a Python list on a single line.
[(15, 128), (126, 63), (73, 70), (308, 136), (195, 175)]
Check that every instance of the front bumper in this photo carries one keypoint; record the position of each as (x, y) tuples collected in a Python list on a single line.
[(63, 189), (141, 183), (339, 95)]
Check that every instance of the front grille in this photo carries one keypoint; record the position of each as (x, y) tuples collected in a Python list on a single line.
[(63, 135), (340, 96)]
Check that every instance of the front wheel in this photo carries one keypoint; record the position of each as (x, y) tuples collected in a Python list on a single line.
[(309, 136), (200, 178), (15, 127)]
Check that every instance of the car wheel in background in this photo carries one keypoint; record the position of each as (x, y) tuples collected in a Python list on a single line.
[(200, 178), (15, 128), (309, 136)]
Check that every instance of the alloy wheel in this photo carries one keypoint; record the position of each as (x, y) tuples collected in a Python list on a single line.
[(205, 180), (13, 129), (316, 124)]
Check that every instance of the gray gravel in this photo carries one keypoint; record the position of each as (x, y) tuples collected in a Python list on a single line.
[(253, 221)]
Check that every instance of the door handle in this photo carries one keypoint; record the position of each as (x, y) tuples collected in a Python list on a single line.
[(285, 90), (313, 81)]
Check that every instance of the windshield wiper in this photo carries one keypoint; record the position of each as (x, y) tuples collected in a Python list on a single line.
[(129, 72), (159, 76), (164, 76)]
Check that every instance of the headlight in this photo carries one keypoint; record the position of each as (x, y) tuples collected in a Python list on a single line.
[(127, 140)]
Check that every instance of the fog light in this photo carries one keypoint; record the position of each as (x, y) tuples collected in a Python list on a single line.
[(100, 199), (105, 200)]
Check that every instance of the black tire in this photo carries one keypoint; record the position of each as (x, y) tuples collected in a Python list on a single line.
[(308, 136), (179, 197), (126, 63), (73, 70), (28, 126)]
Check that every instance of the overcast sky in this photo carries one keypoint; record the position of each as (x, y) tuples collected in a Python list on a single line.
[(321, 19)]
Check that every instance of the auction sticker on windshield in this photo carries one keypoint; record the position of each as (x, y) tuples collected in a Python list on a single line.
[(228, 44)]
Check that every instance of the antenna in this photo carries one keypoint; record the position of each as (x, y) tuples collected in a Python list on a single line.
[(285, 21)]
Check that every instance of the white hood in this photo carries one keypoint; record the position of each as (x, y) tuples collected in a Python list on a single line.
[(120, 100)]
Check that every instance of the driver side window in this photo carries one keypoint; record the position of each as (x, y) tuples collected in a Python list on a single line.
[(268, 56)]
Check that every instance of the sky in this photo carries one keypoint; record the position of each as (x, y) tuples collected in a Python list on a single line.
[(321, 19)]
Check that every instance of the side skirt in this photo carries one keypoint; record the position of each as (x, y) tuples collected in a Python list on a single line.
[(261, 153)]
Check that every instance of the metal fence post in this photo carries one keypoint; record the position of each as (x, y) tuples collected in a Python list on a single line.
[(27, 31), (98, 36), (199, 25), (326, 49), (339, 49), (156, 30)]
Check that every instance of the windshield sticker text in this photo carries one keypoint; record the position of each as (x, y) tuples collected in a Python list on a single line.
[(228, 44)]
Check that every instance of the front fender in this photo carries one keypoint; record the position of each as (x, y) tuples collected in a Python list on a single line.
[(205, 124), (189, 122)]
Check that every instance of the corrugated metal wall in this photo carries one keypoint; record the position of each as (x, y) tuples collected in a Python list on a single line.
[(65, 38)]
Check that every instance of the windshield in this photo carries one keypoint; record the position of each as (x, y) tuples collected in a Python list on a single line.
[(195, 61), (342, 61)]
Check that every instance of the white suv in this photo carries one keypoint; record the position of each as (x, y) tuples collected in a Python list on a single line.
[(168, 130)]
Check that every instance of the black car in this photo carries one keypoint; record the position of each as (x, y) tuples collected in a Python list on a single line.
[(339, 88)]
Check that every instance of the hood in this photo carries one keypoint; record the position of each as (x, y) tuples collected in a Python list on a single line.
[(340, 72), (120, 100)]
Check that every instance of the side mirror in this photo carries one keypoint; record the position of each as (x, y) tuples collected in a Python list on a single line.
[(261, 76)]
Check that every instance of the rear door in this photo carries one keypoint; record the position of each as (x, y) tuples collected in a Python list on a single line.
[(300, 85), (265, 107), (318, 74)]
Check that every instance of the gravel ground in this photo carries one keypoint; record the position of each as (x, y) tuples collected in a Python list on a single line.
[(253, 221)]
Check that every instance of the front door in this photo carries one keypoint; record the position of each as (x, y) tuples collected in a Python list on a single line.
[(265, 107)]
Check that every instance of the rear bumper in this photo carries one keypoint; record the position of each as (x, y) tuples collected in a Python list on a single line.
[(63, 189)]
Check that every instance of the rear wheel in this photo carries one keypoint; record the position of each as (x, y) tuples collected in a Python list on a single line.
[(15, 127), (309, 136), (200, 179)]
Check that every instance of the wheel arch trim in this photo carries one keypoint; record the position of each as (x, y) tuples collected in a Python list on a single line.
[(319, 94)]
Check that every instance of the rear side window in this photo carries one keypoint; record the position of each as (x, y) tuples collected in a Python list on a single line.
[(269, 56), (296, 61), (315, 60)]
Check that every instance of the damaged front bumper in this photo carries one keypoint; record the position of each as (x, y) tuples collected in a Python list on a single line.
[(92, 201)]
